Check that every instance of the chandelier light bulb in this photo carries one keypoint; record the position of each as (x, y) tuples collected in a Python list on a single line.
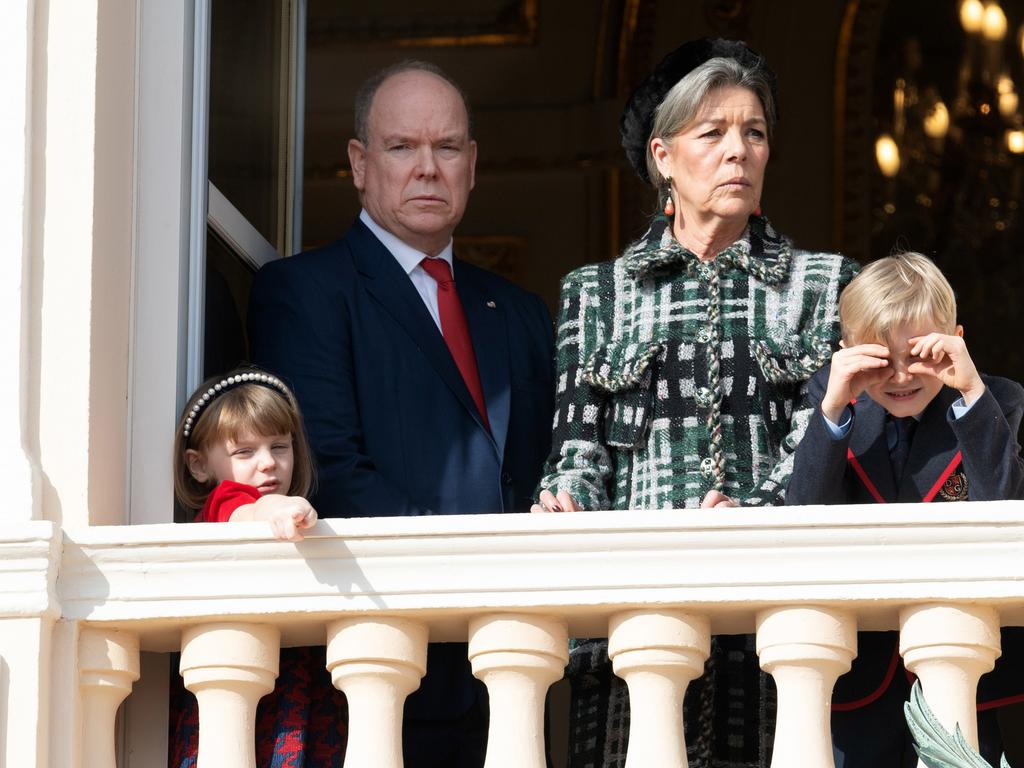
[(971, 14), (1007, 95), (1015, 141), (1008, 104), (993, 25), (888, 155), (936, 121)]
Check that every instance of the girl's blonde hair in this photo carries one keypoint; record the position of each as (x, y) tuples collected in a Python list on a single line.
[(904, 289), (251, 406)]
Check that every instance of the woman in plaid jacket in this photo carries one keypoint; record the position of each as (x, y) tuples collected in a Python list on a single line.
[(681, 365)]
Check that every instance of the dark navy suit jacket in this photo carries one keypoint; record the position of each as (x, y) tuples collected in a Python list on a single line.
[(976, 456), (392, 424)]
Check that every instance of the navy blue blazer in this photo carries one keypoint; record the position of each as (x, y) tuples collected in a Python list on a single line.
[(391, 423), (973, 458)]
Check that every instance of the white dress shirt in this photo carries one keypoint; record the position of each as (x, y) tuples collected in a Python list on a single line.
[(838, 431), (409, 259)]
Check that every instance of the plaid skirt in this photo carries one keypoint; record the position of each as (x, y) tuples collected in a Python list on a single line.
[(302, 723), (729, 713)]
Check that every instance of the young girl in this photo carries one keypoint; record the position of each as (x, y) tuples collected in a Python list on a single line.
[(240, 454)]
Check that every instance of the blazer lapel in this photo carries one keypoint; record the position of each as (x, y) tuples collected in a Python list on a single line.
[(869, 445), (932, 449), (391, 287), (487, 327)]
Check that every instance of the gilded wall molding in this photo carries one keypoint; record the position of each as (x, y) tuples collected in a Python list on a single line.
[(496, 23)]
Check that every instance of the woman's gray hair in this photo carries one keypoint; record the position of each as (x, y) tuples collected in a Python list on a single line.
[(683, 103)]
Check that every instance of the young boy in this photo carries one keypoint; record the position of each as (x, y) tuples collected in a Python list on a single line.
[(902, 415)]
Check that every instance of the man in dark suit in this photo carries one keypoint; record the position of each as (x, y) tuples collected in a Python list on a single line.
[(421, 395), (902, 415)]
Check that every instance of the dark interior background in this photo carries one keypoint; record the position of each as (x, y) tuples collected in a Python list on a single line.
[(547, 80)]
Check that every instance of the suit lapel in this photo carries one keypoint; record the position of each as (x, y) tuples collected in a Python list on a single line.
[(932, 450), (391, 287), (486, 318), (868, 444)]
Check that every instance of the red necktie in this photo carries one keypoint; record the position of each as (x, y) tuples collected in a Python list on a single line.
[(456, 331)]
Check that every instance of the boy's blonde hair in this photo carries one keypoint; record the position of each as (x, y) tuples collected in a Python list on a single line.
[(906, 288), (247, 407)]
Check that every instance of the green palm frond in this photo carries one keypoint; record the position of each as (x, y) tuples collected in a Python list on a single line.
[(936, 747)]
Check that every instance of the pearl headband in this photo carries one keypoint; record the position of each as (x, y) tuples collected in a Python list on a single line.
[(222, 386)]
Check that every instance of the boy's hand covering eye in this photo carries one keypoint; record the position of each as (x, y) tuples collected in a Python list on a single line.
[(853, 370), (946, 358)]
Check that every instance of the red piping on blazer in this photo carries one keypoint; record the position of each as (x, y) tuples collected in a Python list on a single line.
[(877, 693), (884, 686), (864, 476), (1000, 702), (859, 470), (943, 477)]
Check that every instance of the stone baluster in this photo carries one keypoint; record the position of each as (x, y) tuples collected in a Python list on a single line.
[(805, 650), (108, 664), (517, 657), (377, 662), (657, 653), (229, 667), (949, 647)]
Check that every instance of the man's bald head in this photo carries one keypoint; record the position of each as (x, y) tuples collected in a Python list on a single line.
[(369, 88)]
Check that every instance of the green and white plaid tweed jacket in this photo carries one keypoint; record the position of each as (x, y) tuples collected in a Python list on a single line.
[(676, 376)]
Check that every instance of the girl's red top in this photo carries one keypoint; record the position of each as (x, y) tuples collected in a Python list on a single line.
[(225, 499)]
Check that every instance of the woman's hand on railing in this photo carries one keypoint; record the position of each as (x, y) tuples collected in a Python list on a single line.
[(717, 499), (549, 502)]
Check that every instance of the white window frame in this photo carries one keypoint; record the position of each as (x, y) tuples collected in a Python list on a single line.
[(174, 205)]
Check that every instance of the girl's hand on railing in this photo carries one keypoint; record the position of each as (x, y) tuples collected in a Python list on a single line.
[(288, 515)]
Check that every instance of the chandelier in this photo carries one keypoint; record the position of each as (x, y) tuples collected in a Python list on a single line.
[(986, 90), (967, 128)]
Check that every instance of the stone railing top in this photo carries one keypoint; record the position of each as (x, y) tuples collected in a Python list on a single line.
[(29, 561), (584, 566)]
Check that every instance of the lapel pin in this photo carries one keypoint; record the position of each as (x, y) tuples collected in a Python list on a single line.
[(492, 305)]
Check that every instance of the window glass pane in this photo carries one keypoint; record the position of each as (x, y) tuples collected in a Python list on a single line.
[(245, 150), (228, 282)]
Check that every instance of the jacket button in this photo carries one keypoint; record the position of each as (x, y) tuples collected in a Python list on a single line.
[(703, 397), (506, 478), (704, 334)]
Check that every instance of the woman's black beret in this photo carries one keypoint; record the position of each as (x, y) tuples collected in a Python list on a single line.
[(638, 117)]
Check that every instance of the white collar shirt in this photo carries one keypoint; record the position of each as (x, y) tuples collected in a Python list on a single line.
[(409, 259)]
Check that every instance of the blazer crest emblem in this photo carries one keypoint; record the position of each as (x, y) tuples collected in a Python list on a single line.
[(955, 487)]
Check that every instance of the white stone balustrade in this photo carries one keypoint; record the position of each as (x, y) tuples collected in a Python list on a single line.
[(229, 666), (657, 653), (805, 649), (949, 647), (377, 662), (108, 664), (517, 657), (658, 583)]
